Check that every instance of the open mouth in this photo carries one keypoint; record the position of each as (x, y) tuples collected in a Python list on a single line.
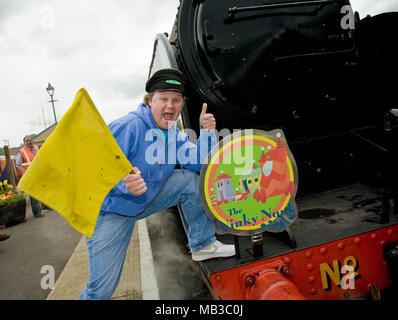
[(168, 116)]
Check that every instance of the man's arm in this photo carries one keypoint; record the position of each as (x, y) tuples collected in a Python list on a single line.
[(191, 156), (127, 137), (18, 163), (207, 120)]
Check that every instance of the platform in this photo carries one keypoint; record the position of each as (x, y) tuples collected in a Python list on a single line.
[(137, 281)]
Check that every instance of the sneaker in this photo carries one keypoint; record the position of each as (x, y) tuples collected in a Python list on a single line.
[(4, 236), (40, 215), (214, 250)]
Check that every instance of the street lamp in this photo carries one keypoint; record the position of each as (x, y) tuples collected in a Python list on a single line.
[(51, 91)]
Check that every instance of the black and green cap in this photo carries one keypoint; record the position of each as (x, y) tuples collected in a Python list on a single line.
[(167, 80)]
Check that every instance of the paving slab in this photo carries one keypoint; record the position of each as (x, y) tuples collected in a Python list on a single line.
[(75, 274), (34, 246)]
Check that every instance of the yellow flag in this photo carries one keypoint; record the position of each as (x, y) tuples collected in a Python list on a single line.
[(77, 166)]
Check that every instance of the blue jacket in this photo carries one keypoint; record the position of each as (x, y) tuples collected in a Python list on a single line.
[(155, 154)]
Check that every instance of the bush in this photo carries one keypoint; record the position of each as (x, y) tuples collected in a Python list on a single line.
[(7, 196)]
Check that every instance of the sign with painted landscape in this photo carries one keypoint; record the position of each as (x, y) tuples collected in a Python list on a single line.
[(249, 182)]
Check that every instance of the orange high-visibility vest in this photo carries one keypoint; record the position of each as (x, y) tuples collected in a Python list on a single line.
[(28, 156)]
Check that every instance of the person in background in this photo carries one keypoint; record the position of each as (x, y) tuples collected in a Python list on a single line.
[(25, 157)]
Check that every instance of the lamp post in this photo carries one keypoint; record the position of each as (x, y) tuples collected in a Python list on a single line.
[(50, 91)]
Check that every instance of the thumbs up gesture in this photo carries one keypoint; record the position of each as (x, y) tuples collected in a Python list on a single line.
[(207, 120)]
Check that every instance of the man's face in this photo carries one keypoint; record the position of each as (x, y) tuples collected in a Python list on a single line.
[(28, 142), (166, 106)]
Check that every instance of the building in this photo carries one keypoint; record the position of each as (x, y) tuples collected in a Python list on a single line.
[(224, 187), (40, 138)]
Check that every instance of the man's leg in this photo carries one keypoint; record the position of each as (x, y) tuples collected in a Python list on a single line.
[(107, 250), (36, 207), (182, 187)]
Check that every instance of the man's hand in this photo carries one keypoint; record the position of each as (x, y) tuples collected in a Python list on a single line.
[(207, 120), (21, 168), (134, 183)]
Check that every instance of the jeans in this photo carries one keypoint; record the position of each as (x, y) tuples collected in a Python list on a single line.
[(36, 206), (108, 246)]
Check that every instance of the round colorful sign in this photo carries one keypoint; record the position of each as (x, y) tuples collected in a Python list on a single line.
[(249, 182)]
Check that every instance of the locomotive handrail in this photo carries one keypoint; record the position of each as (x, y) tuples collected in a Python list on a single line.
[(234, 10), (389, 117), (314, 54)]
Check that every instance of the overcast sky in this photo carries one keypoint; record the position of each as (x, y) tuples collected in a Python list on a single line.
[(104, 46)]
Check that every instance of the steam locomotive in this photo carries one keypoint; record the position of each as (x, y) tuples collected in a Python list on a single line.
[(323, 75)]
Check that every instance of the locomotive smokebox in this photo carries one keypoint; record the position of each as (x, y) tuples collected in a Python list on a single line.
[(272, 62)]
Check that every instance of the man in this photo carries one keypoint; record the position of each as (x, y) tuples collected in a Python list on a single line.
[(25, 157), (154, 185)]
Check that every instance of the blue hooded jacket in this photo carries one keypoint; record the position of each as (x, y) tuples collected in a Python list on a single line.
[(155, 154)]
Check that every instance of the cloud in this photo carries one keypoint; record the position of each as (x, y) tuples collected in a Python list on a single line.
[(372, 7), (104, 46)]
